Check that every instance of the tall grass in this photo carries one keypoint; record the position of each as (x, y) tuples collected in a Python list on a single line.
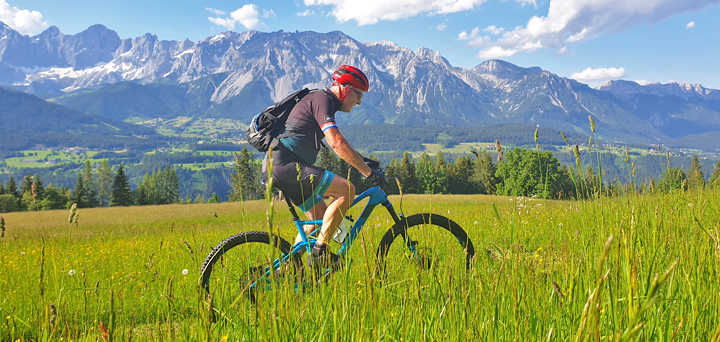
[(621, 269)]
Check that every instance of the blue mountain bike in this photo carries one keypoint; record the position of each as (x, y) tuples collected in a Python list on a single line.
[(249, 262)]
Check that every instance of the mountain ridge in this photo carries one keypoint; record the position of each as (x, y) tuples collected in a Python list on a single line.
[(236, 74)]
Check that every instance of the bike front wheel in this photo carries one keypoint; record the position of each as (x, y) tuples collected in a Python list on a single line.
[(428, 241), (245, 263)]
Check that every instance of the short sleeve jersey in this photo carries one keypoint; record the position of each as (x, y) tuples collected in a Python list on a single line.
[(308, 121)]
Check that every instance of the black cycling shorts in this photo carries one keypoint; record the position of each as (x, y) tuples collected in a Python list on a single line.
[(304, 184)]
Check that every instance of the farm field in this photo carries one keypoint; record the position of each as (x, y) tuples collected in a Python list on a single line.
[(41, 158), (635, 268)]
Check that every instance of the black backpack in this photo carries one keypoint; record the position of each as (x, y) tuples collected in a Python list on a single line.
[(266, 128)]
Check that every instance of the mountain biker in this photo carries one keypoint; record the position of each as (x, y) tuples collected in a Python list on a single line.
[(311, 120)]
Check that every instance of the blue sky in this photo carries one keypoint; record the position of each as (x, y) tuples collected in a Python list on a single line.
[(589, 40)]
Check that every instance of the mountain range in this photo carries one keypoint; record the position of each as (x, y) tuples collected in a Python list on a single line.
[(235, 75)]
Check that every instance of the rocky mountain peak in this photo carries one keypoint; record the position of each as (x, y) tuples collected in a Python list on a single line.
[(432, 55), (51, 31), (682, 90), (504, 70)]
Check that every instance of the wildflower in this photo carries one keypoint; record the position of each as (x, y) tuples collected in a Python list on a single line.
[(476, 222), (690, 205), (224, 338), (22, 253), (185, 271), (71, 272)]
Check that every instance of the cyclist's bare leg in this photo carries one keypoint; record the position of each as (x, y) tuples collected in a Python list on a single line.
[(343, 193), (316, 213)]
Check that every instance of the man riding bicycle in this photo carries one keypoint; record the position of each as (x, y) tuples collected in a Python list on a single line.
[(311, 120)]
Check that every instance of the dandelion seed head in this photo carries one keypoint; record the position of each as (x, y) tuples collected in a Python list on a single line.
[(71, 272)]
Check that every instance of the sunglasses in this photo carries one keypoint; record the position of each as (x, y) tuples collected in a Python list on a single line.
[(359, 94)]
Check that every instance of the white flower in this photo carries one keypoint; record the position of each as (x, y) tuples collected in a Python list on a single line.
[(185, 271), (72, 272), (690, 205), (475, 222), (22, 253)]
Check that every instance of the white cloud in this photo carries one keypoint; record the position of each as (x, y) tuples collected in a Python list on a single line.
[(247, 16), (571, 21), (563, 51), (215, 11), (443, 25), (474, 38), (307, 13), (598, 74), (22, 20), (369, 12), (690, 25), (269, 13), (494, 30)]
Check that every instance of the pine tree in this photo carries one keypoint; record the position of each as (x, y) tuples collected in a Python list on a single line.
[(407, 175), (143, 193), (27, 184), (91, 193), (714, 177), (459, 176), (214, 198), (441, 176), (484, 173), (39, 189), (171, 186), (12, 189), (245, 180), (696, 178), (327, 159), (105, 181), (673, 179), (159, 187), (79, 196), (121, 192), (26, 188), (2, 188), (391, 172)]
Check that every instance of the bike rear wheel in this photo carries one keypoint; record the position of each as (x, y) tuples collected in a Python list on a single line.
[(428, 241), (241, 265)]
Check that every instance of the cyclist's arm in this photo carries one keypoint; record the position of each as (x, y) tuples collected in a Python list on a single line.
[(343, 149)]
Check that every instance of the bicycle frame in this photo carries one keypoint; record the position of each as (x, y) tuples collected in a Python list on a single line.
[(376, 196)]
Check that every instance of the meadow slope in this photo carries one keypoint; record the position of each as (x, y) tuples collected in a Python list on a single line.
[(639, 267)]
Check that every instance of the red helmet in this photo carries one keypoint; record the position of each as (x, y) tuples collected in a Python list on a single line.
[(349, 74)]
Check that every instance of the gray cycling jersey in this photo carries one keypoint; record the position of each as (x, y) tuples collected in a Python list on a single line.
[(308, 121)]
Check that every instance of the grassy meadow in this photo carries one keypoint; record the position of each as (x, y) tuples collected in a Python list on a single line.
[(635, 268)]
